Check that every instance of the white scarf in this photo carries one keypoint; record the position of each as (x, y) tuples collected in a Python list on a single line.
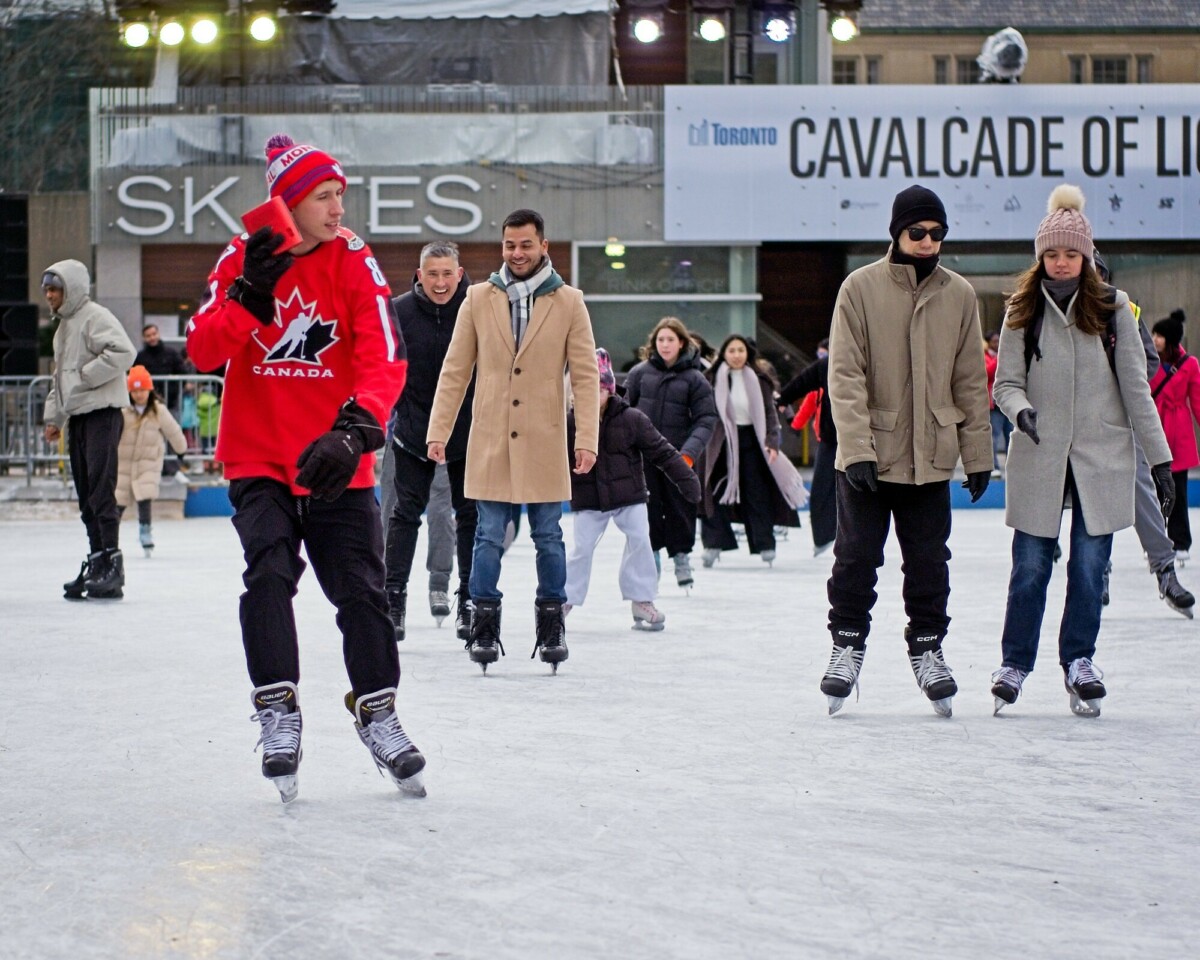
[(520, 296)]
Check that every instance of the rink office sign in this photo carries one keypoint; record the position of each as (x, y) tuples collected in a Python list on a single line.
[(824, 162)]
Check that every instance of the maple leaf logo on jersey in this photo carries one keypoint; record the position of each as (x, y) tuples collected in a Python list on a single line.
[(305, 334)]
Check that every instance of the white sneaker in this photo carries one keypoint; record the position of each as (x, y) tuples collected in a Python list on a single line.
[(646, 616)]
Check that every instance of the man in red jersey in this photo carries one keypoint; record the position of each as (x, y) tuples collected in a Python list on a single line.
[(315, 361)]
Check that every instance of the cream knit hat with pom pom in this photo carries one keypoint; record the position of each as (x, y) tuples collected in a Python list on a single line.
[(1064, 225)]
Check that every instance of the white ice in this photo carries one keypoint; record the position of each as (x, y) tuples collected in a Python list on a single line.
[(681, 794)]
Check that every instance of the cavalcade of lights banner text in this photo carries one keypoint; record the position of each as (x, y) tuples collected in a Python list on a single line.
[(824, 162)]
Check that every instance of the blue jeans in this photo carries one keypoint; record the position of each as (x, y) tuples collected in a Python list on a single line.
[(546, 532), (1001, 430), (1033, 561)]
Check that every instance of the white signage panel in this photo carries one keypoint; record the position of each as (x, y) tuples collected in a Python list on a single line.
[(824, 162)]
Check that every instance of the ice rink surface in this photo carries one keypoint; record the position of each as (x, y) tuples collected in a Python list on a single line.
[(674, 795)]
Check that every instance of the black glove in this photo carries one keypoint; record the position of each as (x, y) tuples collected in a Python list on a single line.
[(863, 476), (1027, 424), (261, 270), (328, 464), (977, 483), (1164, 485)]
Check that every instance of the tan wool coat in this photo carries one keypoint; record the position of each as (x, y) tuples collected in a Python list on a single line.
[(907, 382), (517, 450), (140, 454)]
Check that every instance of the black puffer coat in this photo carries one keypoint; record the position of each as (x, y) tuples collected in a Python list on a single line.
[(427, 329), (617, 480), (677, 399)]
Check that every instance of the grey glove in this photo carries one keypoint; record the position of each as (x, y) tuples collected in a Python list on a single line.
[(863, 476), (1027, 424)]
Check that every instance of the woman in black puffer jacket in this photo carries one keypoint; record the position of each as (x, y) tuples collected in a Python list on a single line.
[(669, 387)]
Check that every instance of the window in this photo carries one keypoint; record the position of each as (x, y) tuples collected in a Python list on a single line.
[(845, 70), (874, 65), (1145, 69), (1110, 69), (941, 70), (1075, 70), (966, 70)]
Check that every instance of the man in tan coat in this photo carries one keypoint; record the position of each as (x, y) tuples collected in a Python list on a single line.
[(908, 388), (520, 331)]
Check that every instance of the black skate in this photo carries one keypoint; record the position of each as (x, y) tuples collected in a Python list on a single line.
[(380, 731), (1170, 590), (845, 664), (439, 605), (107, 578), (397, 601), (929, 667), (1082, 680), (551, 643), (462, 614), (1006, 687), (277, 708), (76, 588), (484, 645)]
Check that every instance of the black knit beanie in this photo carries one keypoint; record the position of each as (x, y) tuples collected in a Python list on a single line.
[(1171, 328), (914, 204)]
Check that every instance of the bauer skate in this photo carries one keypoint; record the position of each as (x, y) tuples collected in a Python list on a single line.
[(277, 708), (380, 731)]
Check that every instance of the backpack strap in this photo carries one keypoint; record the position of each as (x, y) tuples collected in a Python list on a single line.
[(1110, 330)]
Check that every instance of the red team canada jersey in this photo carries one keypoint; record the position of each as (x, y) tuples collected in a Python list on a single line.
[(333, 338)]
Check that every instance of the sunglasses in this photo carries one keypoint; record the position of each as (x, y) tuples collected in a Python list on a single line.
[(917, 234)]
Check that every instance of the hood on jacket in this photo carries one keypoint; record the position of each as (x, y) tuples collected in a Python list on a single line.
[(77, 283), (689, 356)]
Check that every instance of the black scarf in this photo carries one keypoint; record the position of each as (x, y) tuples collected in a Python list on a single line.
[(923, 265)]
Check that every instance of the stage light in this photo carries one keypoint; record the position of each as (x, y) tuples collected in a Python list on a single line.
[(204, 31), (648, 27), (262, 28), (171, 33), (711, 29), (614, 248), (843, 28), (136, 34)]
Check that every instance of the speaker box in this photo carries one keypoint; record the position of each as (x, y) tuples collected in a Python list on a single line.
[(14, 247), (18, 339)]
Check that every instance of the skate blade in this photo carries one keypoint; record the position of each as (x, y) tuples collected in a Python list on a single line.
[(943, 707), (998, 704), (647, 627), (439, 620), (1184, 611), (288, 787), (483, 666), (835, 704), (413, 786), (1084, 708), (554, 669)]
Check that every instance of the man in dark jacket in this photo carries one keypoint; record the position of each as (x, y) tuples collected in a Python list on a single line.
[(427, 315)]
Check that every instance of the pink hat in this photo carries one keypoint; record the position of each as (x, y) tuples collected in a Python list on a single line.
[(294, 170), (608, 380), (1065, 225)]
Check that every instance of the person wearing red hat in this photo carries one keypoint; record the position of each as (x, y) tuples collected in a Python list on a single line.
[(315, 360)]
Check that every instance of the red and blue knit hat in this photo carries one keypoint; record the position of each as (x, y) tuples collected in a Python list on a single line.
[(608, 380), (294, 170)]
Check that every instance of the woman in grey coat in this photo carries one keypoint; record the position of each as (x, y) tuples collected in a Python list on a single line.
[(1073, 390)]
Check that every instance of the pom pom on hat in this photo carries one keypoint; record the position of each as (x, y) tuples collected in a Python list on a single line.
[(139, 379), (1171, 328), (608, 380), (1064, 224), (294, 170)]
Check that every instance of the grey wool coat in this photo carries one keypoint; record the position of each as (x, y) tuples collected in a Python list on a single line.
[(1084, 416)]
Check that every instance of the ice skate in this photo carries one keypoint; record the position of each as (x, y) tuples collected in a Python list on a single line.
[(683, 571), (277, 708), (1181, 558), (107, 579), (439, 605), (710, 557), (845, 664), (1082, 681), (1006, 687), (646, 616), (146, 538), (768, 557), (76, 588), (484, 644), (1171, 591), (397, 604), (929, 667), (380, 731), (462, 614), (551, 643)]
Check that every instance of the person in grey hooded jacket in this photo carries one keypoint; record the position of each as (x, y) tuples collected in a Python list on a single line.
[(92, 354)]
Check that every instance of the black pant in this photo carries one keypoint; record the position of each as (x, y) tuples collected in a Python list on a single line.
[(922, 514), (412, 479), (672, 518), (1179, 529), (822, 499), (92, 442), (754, 501), (344, 543)]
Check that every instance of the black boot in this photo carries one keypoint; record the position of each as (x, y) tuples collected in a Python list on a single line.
[(74, 590), (462, 615), (551, 643), (397, 602), (845, 664), (107, 578), (929, 667), (485, 646)]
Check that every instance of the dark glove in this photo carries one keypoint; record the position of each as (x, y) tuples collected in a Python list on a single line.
[(863, 476), (1164, 485), (1027, 424), (977, 483), (328, 464), (261, 270)]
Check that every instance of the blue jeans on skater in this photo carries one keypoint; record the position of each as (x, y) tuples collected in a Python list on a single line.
[(545, 530), (1033, 561)]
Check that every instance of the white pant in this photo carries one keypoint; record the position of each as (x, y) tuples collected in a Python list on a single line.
[(638, 577)]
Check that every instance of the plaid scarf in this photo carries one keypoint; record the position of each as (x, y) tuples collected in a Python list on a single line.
[(520, 296)]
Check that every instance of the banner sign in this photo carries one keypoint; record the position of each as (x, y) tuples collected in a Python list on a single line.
[(824, 162)]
